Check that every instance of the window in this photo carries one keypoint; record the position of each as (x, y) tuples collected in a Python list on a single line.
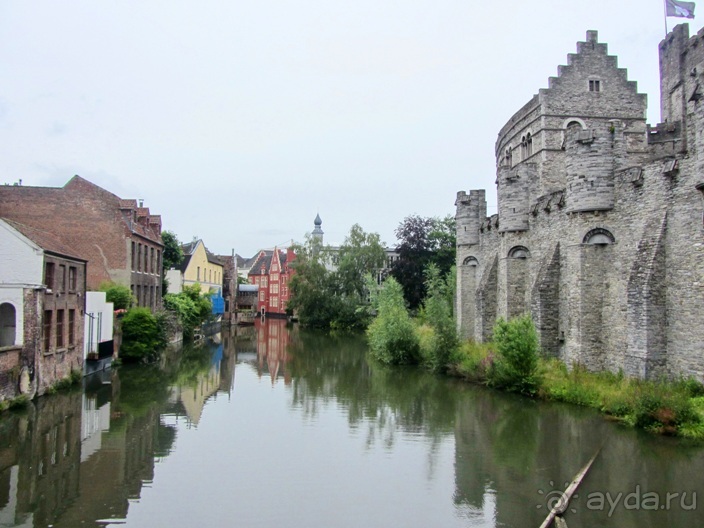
[(210, 275), (139, 257), (599, 237), (60, 328), (529, 145), (151, 259), (72, 278), (274, 277), (139, 295), (158, 262), (146, 259), (261, 295), (274, 288), (71, 327), (47, 329), (7, 324), (264, 282), (594, 86), (49, 275), (61, 283), (471, 261), (198, 273), (518, 252), (275, 302), (133, 248)]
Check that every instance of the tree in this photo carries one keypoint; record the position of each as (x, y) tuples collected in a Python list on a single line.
[(142, 338), (328, 287), (443, 243), (422, 241), (437, 312), (172, 257), (192, 307), (173, 254), (517, 351), (392, 339), (360, 254), (119, 295)]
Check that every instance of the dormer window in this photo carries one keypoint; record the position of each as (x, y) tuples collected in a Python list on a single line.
[(594, 85)]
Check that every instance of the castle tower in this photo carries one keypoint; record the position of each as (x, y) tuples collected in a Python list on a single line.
[(513, 194), (317, 230), (589, 165), (470, 213)]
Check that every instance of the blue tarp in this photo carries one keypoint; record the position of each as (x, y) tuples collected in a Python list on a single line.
[(218, 303)]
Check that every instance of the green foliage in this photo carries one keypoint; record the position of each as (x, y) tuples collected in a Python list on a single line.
[(119, 295), (666, 407), (171, 257), (335, 299), (437, 312), (422, 241), (191, 306), (392, 337), (173, 254), (141, 336), (517, 353), (361, 254), (473, 361), (662, 409)]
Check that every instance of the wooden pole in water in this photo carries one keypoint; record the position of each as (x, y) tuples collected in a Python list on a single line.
[(564, 501)]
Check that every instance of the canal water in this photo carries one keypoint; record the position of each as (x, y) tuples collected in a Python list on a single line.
[(271, 426)]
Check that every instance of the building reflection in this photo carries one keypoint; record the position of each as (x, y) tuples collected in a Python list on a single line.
[(265, 346), (78, 458)]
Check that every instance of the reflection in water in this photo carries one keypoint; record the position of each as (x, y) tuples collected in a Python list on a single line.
[(80, 457), (341, 442)]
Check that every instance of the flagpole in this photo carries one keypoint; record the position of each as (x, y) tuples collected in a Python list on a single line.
[(664, 5)]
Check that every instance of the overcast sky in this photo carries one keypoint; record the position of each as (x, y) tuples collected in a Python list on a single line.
[(239, 121)]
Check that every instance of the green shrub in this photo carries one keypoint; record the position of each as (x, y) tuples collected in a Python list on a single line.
[(142, 338), (661, 407), (473, 361), (392, 337), (119, 295), (191, 306), (437, 312), (517, 353)]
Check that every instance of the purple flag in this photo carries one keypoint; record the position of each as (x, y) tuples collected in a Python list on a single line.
[(675, 8)]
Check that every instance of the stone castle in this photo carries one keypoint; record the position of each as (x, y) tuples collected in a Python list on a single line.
[(599, 234)]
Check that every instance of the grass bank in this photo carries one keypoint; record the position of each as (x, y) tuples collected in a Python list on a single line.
[(665, 407)]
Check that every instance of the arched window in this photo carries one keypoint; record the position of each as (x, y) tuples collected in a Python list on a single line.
[(518, 252), (7, 325), (529, 145), (471, 261), (524, 148), (598, 237)]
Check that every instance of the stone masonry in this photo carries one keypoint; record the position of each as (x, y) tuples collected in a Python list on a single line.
[(599, 233)]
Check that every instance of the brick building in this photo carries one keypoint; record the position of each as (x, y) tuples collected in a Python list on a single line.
[(120, 239), (599, 227), (271, 273), (42, 296)]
